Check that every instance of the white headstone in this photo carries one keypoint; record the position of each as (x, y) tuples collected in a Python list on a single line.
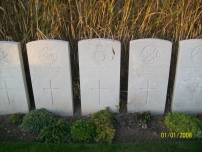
[(13, 87), (99, 64), (149, 64), (49, 63), (187, 93)]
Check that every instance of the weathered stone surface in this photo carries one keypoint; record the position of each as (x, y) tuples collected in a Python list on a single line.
[(13, 87), (187, 93), (149, 64), (49, 62), (99, 64)]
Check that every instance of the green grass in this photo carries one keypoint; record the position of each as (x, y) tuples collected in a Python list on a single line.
[(187, 146)]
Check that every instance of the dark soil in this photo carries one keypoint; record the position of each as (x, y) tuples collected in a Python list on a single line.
[(128, 129)]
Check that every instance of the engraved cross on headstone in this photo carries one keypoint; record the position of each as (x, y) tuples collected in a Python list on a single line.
[(194, 87), (51, 89), (7, 90), (99, 89), (147, 89), (193, 90), (3, 57)]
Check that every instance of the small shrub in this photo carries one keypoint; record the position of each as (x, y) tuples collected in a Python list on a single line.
[(83, 130), (103, 120), (183, 123), (36, 120), (144, 117), (0, 128), (56, 133), (15, 119)]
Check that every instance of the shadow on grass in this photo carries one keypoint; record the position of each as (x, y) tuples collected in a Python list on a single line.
[(186, 146)]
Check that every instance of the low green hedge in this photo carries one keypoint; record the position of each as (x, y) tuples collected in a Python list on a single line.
[(56, 133), (184, 124), (36, 120)]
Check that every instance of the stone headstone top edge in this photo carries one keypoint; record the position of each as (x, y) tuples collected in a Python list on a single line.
[(10, 42), (98, 39), (48, 40), (190, 40), (153, 39)]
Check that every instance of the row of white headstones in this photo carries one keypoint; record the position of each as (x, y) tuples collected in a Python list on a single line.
[(99, 68)]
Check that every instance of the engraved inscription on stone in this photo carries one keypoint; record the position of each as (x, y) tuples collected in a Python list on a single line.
[(198, 104), (7, 89), (191, 72), (196, 55), (99, 71), (99, 56), (4, 58), (99, 90), (180, 105), (49, 72), (147, 89), (47, 56), (188, 78), (9, 72), (151, 72), (51, 89), (193, 89), (13, 87), (150, 54), (149, 62)]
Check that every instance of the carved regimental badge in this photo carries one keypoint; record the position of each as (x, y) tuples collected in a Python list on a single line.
[(99, 55), (196, 55), (4, 57), (150, 54), (48, 56)]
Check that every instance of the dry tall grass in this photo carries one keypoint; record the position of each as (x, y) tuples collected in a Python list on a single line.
[(124, 20)]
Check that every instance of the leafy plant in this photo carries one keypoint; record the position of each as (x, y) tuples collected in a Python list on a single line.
[(83, 130), (56, 133), (144, 117), (103, 120), (15, 119), (183, 123), (37, 119), (0, 127)]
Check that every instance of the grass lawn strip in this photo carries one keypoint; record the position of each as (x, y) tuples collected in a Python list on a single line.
[(187, 146)]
